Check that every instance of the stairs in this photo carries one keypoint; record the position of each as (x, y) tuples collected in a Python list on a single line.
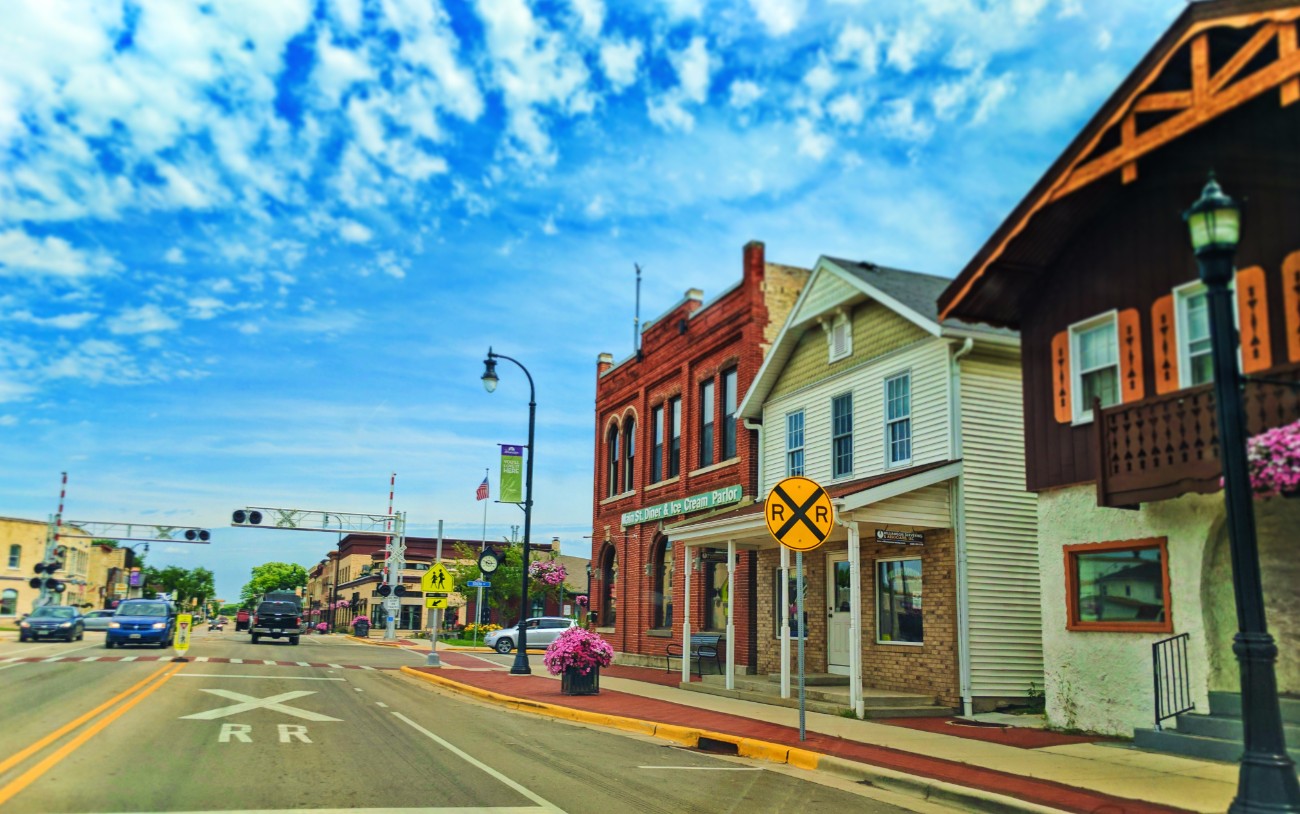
[(823, 693), (1218, 735)]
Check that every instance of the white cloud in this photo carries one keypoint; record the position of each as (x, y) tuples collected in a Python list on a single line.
[(744, 93), (63, 322), (595, 208), (907, 45), (591, 16), (1104, 39), (857, 45), (619, 61), (337, 69), (8, 421), (900, 122), (548, 227), (354, 232), (820, 79), (174, 256), (813, 144), (21, 253), (205, 307), (779, 17), (693, 65), (148, 318), (14, 391), (684, 9), (846, 109)]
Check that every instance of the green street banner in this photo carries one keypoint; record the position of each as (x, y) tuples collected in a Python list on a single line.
[(512, 473), (683, 505)]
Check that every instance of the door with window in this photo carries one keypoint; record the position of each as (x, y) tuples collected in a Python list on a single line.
[(839, 612)]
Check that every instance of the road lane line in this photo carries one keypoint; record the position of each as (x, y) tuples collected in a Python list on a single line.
[(468, 758), (34, 773), (13, 760), (265, 678), (706, 768)]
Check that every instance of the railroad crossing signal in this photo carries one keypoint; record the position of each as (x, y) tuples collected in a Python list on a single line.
[(437, 579), (799, 514)]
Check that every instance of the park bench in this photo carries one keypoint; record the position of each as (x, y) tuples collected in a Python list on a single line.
[(703, 646)]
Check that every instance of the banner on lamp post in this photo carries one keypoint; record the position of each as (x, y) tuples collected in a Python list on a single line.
[(512, 473)]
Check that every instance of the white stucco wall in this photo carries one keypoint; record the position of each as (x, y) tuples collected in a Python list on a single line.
[(1101, 682)]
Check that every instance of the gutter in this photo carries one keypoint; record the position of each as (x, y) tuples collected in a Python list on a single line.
[(757, 426), (959, 518)]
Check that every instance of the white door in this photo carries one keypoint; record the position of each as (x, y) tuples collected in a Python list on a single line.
[(838, 613)]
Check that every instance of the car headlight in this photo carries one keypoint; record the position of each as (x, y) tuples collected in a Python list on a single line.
[(66, 624), (158, 625), (114, 624), (24, 624)]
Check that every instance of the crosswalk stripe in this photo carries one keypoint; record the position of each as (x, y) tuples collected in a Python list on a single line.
[(336, 666), (201, 659), (302, 663), (128, 658), (268, 662), (236, 661), (91, 658)]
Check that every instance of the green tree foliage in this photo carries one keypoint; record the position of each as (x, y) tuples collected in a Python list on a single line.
[(273, 576), (505, 580), (183, 584)]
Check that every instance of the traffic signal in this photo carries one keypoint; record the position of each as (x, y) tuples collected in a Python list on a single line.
[(199, 535), (251, 517), (47, 582), (384, 590), (399, 590)]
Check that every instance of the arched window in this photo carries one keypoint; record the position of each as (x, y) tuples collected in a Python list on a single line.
[(629, 452), (609, 588), (9, 602), (15, 556), (663, 593), (611, 450)]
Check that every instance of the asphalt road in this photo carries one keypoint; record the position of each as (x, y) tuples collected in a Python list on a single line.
[(331, 724)]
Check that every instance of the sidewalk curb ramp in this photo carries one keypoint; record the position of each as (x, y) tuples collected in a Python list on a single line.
[(690, 737)]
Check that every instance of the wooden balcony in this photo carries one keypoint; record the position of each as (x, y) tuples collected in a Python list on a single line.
[(1162, 447)]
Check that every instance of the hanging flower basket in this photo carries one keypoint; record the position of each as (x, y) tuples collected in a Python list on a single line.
[(547, 572), (1273, 460)]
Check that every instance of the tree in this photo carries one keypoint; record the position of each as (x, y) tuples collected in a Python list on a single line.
[(181, 583), (273, 576)]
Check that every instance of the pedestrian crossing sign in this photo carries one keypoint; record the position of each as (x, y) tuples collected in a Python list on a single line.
[(437, 579)]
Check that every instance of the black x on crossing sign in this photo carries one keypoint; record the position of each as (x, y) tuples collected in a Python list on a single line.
[(799, 514)]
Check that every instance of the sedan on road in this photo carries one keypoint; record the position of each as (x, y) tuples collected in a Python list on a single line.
[(141, 621), (541, 631), (97, 620), (52, 622)]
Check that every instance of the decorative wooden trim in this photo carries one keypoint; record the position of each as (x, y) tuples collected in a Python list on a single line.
[(1202, 103), (1164, 344), (1062, 400), (1132, 385), (1291, 299), (1072, 587), (1252, 313)]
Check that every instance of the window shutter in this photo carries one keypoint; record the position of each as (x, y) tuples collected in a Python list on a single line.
[(1252, 313), (1164, 344), (1061, 398), (1291, 296), (1132, 385), (840, 338)]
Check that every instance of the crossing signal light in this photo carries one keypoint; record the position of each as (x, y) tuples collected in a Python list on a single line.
[(384, 590), (241, 517), (399, 590), (199, 535), (47, 582)]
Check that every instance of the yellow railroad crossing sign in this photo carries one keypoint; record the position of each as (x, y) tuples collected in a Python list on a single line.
[(436, 602), (436, 580), (799, 514)]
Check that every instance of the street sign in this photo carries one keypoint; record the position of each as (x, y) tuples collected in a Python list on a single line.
[(437, 578), (479, 583), (392, 603), (184, 626), (436, 602), (799, 514)]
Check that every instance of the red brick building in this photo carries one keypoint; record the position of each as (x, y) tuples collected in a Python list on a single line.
[(668, 447)]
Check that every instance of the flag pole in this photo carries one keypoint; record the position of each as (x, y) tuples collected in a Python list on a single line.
[(478, 605)]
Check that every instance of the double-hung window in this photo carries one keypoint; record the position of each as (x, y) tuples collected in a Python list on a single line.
[(675, 438), (729, 406), (1095, 346), (794, 444), (629, 452), (706, 423), (611, 449), (1196, 364), (657, 455), (898, 418), (842, 435)]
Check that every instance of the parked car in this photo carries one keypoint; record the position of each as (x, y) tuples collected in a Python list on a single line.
[(52, 622), (541, 631), (141, 621), (98, 619)]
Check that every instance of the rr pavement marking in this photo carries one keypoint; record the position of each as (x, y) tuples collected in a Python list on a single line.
[(248, 702)]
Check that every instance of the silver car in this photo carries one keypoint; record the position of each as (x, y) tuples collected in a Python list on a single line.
[(97, 620), (541, 631)]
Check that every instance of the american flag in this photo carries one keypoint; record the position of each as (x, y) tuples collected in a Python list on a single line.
[(482, 492)]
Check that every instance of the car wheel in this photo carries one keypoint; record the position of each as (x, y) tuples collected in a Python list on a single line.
[(81, 635), (293, 640), (22, 638), (108, 644), (504, 646), (254, 638)]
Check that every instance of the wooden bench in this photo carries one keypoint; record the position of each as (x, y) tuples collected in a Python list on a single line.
[(703, 646)]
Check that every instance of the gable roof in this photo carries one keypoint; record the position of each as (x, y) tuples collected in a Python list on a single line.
[(1214, 58), (910, 294)]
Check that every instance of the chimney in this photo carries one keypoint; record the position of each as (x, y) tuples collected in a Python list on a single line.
[(604, 361), (755, 261), (694, 299)]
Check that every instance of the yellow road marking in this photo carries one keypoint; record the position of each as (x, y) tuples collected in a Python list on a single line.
[(14, 760), (31, 775)]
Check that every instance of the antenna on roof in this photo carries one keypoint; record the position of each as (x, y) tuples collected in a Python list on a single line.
[(636, 320)]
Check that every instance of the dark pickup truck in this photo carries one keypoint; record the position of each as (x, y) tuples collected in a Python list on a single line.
[(276, 620)]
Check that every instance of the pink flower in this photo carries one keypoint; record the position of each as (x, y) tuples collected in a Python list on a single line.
[(548, 572), (1273, 460), (578, 649)]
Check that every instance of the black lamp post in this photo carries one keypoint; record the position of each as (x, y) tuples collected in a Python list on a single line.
[(1267, 780), (520, 667)]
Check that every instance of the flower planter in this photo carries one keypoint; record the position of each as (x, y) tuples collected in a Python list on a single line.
[(573, 682)]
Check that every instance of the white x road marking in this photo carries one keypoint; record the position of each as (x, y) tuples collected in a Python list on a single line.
[(248, 702)]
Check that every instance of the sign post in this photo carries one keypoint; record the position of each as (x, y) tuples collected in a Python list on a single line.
[(184, 626), (800, 517)]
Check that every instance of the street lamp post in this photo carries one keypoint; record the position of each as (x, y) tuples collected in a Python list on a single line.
[(1267, 779), (520, 667)]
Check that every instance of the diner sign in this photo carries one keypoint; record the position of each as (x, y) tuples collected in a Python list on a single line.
[(683, 505), (900, 537)]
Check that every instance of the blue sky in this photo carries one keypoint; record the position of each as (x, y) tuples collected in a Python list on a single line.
[(253, 253)]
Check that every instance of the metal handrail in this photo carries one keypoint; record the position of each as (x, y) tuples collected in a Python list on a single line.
[(1173, 690)]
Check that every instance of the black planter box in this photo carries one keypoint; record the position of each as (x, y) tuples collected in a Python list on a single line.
[(575, 683)]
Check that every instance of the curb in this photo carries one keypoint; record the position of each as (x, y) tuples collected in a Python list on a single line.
[(877, 776)]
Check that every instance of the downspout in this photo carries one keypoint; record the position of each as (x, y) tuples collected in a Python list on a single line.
[(758, 428), (959, 518)]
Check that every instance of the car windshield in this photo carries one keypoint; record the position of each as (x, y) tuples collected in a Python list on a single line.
[(54, 613), (142, 609)]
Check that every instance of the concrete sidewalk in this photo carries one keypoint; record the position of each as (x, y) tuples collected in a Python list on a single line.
[(987, 771)]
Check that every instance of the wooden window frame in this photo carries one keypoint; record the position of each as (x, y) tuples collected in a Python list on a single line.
[(791, 450), (708, 396), (730, 403), (1083, 412), (1072, 587), (657, 438), (629, 454), (836, 474), (890, 461)]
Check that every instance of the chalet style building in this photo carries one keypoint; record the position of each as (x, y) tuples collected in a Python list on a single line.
[(668, 446), (924, 599), (1095, 268)]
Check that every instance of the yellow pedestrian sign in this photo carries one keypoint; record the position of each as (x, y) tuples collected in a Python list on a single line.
[(799, 514), (184, 626), (437, 579)]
